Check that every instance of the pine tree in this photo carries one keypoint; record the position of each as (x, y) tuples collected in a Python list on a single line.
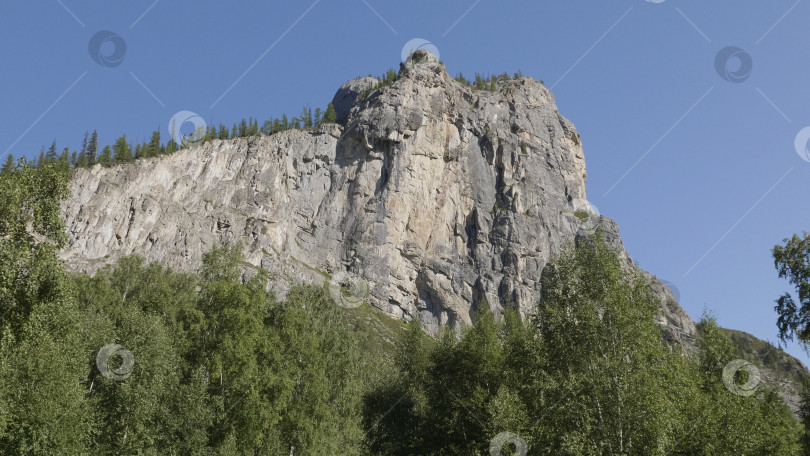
[(51, 156), (223, 132), (461, 79), (318, 115), (8, 166), (306, 117), (391, 76), (267, 128), (330, 116), (122, 152), (84, 143), (82, 161), (73, 159), (92, 149), (106, 156), (285, 123), (154, 144), (64, 160), (171, 147)]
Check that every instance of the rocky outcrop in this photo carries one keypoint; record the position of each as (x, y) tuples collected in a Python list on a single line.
[(437, 195), (347, 94)]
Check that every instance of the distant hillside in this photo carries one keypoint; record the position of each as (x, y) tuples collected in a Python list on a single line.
[(778, 369)]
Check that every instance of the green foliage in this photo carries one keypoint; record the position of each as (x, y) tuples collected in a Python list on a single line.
[(489, 83), (82, 161), (8, 165), (92, 148), (154, 147), (330, 116), (161, 408), (29, 209), (804, 415), (42, 357), (387, 79), (792, 261), (395, 406), (122, 152), (582, 214), (589, 373), (220, 366), (50, 157), (225, 367), (606, 357), (106, 157), (731, 423)]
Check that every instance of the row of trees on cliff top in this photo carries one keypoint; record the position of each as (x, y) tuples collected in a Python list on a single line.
[(124, 151), (140, 359)]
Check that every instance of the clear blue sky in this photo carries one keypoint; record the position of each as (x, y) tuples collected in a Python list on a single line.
[(714, 179)]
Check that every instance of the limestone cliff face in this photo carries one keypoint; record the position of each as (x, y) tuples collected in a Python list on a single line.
[(437, 195)]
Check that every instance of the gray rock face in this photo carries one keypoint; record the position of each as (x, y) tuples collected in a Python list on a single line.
[(437, 195), (347, 94)]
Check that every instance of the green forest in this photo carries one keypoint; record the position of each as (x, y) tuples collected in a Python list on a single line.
[(140, 359)]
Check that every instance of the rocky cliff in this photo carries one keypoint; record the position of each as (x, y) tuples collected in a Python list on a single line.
[(436, 194)]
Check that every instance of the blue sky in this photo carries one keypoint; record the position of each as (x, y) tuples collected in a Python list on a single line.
[(700, 172)]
